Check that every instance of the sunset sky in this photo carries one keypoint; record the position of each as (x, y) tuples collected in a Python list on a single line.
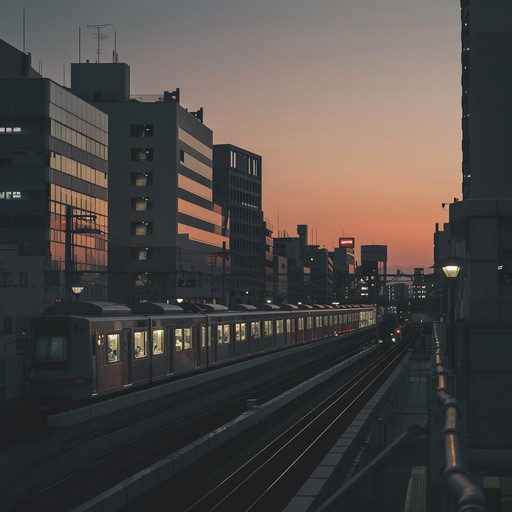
[(354, 105)]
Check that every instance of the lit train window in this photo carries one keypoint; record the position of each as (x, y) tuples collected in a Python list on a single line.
[(158, 341), (240, 332), (112, 348), (279, 327), (288, 325), (309, 323), (318, 322), (178, 339), (223, 334), (203, 336), (255, 330), (331, 320), (267, 328), (187, 338), (140, 344), (300, 324)]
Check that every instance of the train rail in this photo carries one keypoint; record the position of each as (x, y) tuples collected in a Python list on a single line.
[(268, 477), (120, 463)]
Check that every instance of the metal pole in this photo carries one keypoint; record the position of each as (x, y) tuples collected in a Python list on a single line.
[(224, 273), (68, 263)]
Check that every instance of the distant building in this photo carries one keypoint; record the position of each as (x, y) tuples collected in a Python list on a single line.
[(344, 269), (237, 182), (169, 240), (53, 192), (372, 273)]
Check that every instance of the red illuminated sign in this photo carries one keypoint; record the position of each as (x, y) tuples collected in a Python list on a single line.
[(347, 242)]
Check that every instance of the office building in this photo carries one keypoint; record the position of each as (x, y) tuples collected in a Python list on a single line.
[(237, 178), (53, 193), (169, 240)]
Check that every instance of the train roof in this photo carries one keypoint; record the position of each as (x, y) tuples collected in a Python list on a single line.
[(156, 308), (91, 309)]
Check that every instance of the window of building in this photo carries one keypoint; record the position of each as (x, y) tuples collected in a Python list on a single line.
[(112, 347), (141, 130), (140, 279), (142, 154), (182, 155), (158, 341), (6, 279), (141, 228), (142, 204), (142, 179), (23, 279), (7, 324), (142, 253), (140, 344)]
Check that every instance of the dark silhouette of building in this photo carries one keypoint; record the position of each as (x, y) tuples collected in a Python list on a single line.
[(169, 240), (237, 182)]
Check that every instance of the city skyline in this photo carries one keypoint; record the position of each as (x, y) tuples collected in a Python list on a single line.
[(354, 105)]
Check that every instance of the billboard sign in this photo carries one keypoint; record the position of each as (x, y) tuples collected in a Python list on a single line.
[(347, 242)]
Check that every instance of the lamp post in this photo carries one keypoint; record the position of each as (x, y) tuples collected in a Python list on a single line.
[(77, 290), (451, 271)]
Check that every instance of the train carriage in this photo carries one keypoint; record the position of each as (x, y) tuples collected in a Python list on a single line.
[(91, 349)]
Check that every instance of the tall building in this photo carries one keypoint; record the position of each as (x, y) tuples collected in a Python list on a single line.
[(479, 339), (344, 268), (169, 240), (53, 192), (237, 177), (372, 274)]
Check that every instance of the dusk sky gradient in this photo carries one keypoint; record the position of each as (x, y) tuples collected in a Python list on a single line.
[(354, 105)]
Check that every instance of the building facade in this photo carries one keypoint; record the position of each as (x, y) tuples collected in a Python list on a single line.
[(53, 193), (169, 240), (237, 177)]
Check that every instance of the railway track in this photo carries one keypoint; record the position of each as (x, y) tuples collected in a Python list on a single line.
[(267, 478), (91, 479)]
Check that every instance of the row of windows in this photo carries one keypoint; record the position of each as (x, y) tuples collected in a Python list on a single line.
[(7, 281), (243, 183), (182, 342), (70, 136), (78, 169), (60, 197), (244, 163)]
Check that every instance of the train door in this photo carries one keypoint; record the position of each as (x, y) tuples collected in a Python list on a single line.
[(94, 365), (171, 351), (127, 357)]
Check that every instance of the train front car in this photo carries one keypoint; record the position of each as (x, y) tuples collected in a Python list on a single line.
[(85, 350)]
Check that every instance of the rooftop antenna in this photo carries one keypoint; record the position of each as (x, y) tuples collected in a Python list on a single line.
[(99, 36), (23, 30), (79, 44), (115, 57)]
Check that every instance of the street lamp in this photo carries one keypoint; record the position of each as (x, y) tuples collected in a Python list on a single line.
[(77, 290), (451, 271)]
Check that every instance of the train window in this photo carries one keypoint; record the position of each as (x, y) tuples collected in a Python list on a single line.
[(112, 348), (309, 322), (331, 320), (223, 334), (187, 338), (203, 336), (267, 328), (140, 344), (255, 330), (300, 324), (288, 325), (318, 321), (279, 327), (158, 341), (51, 349), (178, 339), (240, 332)]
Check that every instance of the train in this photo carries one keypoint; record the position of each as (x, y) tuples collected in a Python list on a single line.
[(85, 350)]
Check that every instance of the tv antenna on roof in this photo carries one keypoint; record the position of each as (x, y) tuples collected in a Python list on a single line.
[(99, 36)]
